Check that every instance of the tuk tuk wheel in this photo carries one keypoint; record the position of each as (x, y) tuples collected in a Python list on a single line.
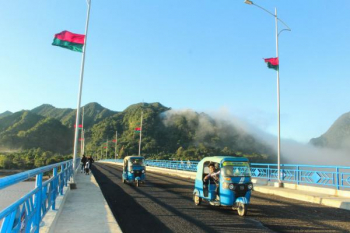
[(137, 183), (197, 200), (242, 209)]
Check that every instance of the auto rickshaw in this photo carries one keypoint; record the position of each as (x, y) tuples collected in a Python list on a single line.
[(233, 187), (134, 170)]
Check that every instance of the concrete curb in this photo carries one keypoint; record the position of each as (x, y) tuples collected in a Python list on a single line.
[(310, 194), (114, 227)]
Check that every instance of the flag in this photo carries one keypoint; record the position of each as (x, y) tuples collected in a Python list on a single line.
[(272, 63), (138, 129), (81, 139), (79, 126), (114, 140), (69, 40)]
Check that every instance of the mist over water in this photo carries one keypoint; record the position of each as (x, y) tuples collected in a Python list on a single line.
[(292, 152)]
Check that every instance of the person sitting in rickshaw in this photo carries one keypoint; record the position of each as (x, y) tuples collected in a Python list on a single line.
[(215, 176)]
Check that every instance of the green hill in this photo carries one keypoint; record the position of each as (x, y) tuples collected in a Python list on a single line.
[(337, 136), (166, 134), (5, 114), (25, 130), (93, 113)]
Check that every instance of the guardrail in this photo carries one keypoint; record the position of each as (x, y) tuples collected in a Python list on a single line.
[(327, 176), (177, 165), (26, 214)]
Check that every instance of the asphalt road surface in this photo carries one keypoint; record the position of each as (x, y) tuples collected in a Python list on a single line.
[(164, 204)]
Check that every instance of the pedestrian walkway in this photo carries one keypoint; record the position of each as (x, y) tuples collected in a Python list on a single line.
[(85, 209)]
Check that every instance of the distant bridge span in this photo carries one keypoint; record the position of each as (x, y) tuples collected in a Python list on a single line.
[(164, 204)]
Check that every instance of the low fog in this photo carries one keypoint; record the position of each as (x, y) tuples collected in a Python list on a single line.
[(292, 152)]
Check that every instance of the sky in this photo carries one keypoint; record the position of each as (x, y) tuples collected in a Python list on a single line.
[(203, 55)]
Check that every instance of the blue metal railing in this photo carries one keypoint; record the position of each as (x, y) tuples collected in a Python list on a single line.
[(323, 176), (328, 176), (177, 165), (26, 213)]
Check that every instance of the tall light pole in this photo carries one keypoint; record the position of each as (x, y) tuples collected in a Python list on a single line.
[(278, 87)]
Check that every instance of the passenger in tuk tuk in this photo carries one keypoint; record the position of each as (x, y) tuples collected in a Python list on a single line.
[(212, 173), (214, 177)]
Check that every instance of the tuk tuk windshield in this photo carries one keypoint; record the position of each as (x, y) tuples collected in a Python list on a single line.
[(236, 168), (137, 162)]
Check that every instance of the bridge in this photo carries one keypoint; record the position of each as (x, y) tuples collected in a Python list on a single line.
[(314, 199)]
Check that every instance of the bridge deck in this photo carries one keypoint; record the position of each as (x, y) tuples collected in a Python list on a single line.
[(164, 204)]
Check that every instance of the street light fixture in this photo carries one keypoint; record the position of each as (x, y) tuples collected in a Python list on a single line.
[(248, 2), (280, 184)]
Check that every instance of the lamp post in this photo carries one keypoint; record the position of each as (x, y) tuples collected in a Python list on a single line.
[(278, 87)]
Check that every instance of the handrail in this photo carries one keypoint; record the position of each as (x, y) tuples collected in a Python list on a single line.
[(16, 178), (25, 214)]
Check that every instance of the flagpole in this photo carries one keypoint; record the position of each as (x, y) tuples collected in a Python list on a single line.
[(80, 89), (82, 137), (116, 143), (140, 134), (106, 147)]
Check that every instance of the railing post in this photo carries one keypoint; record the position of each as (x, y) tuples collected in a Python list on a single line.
[(62, 179), (337, 175), (268, 172), (297, 175), (38, 184), (54, 190)]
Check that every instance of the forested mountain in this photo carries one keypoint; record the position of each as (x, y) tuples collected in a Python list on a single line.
[(4, 114), (93, 113), (170, 134), (337, 136), (25, 130), (166, 134)]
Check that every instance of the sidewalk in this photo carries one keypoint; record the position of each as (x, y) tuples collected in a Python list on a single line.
[(86, 209)]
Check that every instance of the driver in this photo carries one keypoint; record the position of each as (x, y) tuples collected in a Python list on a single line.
[(212, 173)]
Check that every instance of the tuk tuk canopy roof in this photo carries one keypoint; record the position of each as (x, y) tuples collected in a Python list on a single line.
[(218, 159), (133, 157)]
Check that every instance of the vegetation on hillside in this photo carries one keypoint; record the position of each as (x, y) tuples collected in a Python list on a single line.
[(172, 135), (29, 159), (166, 134), (337, 136)]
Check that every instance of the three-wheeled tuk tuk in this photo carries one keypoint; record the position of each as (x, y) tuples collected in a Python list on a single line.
[(232, 185), (134, 170)]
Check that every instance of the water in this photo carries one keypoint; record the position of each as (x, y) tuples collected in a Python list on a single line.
[(11, 194)]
